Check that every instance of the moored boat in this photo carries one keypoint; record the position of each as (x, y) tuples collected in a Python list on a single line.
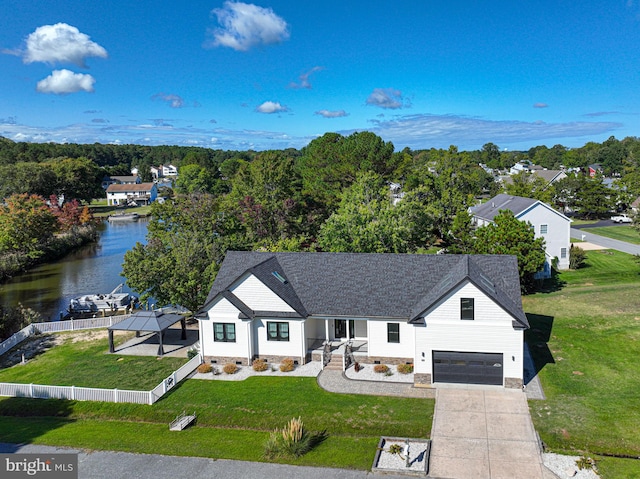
[(116, 300), (124, 217)]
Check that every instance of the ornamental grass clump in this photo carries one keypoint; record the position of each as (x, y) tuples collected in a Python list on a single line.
[(205, 368), (381, 368), (405, 368), (286, 365), (293, 440), (230, 368), (259, 365)]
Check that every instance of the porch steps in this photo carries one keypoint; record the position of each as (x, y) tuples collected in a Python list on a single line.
[(335, 363)]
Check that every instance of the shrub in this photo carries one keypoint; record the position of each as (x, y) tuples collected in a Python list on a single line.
[(230, 368), (293, 440), (260, 365), (395, 449), (205, 368), (357, 367), (286, 365), (405, 368), (577, 257), (192, 353), (381, 368)]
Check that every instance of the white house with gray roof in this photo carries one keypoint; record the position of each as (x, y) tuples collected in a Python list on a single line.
[(457, 318), (547, 223)]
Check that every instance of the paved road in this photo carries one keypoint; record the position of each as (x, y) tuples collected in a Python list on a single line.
[(121, 465), (606, 242)]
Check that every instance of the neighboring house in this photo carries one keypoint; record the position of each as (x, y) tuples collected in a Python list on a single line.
[(457, 318), (128, 194), (169, 170), (156, 171), (594, 169), (120, 180), (547, 223), (549, 176), (635, 206)]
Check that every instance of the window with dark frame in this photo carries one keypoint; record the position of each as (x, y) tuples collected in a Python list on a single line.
[(466, 308), (543, 229), (224, 332), (277, 331), (393, 332)]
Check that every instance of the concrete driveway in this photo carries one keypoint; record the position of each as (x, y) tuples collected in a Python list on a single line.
[(482, 433)]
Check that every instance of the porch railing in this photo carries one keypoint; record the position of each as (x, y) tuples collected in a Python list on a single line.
[(326, 354)]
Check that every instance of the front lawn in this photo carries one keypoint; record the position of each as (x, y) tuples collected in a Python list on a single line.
[(586, 339), (623, 233), (234, 418)]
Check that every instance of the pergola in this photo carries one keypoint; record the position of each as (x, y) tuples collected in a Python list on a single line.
[(149, 321)]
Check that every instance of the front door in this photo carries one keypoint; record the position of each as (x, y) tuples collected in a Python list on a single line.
[(341, 328)]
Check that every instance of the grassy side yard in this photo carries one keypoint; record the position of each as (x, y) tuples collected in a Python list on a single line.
[(623, 233), (586, 339), (234, 418), (88, 364)]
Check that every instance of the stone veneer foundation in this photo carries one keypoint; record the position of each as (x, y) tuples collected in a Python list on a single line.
[(513, 383)]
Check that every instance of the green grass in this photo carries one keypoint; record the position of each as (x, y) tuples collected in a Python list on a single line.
[(88, 364), (577, 222), (586, 339), (234, 418), (623, 233)]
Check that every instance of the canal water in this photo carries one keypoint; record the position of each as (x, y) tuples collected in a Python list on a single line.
[(93, 269)]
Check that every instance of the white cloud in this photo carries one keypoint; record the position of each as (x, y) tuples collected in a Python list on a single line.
[(61, 82), (174, 101), (440, 131), (244, 25), (332, 114), (304, 79), (540, 105), (389, 98), (60, 43), (271, 107)]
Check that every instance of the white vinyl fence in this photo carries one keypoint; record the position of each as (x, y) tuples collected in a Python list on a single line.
[(87, 394), (57, 326), (74, 393)]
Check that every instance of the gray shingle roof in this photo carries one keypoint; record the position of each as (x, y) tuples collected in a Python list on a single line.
[(371, 285), (516, 204)]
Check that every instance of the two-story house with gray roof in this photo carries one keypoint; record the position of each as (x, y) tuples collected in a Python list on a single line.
[(546, 222), (457, 318)]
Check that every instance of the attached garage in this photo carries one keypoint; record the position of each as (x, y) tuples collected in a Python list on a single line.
[(468, 368)]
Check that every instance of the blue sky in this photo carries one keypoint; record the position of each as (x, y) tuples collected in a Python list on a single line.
[(277, 74)]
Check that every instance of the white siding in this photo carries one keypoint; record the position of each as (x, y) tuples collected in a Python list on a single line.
[(378, 345), (255, 294), (293, 347), (224, 312), (558, 234), (490, 332)]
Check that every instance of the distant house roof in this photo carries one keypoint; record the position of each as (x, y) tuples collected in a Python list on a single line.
[(403, 286), (636, 203), (125, 178), (515, 204), (116, 188)]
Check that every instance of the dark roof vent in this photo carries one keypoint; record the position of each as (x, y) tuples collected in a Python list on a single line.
[(279, 277)]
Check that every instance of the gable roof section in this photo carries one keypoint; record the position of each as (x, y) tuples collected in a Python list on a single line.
[(369, 285), (122, 188), (469, 269), (518, 205), (515, 204)]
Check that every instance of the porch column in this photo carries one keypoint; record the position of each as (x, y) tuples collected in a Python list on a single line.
[(303, 333), (326, 330), (160, 348), (349, 329), (249, 342)]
